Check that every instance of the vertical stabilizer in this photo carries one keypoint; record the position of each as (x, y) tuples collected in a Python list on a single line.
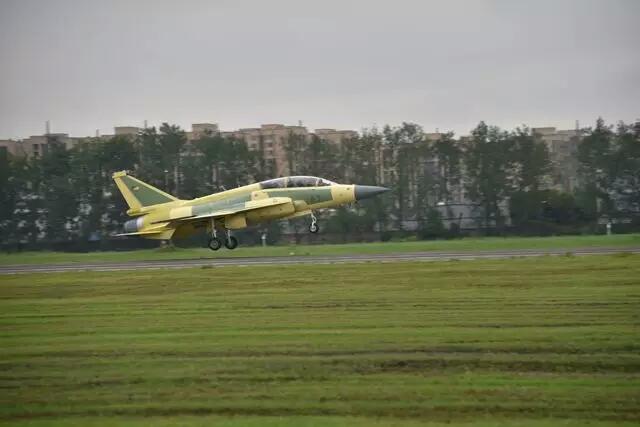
[(139, 194)]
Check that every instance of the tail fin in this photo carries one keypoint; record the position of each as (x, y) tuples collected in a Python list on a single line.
[(138, 194)]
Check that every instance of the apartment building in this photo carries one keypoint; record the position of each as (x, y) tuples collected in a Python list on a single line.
[(272, 140), (36, 145), (11, 147), (129, 131), (335, 136), (563, 150), (198, 130)]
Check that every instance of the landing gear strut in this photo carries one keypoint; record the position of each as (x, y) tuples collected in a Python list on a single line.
[(314, 228), (214, 243), (231, 242)]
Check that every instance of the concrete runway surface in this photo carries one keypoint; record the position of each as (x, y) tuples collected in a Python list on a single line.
[(283, 260)]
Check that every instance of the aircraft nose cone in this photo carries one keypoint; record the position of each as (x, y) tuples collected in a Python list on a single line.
[(366, 191)]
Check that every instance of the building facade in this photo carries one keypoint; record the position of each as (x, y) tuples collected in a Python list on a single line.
[(563, 153), (36, 145), (272, 140)]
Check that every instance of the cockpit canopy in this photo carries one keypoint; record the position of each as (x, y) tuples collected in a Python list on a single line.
[(296, 181)]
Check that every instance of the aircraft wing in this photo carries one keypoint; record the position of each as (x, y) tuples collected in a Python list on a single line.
[(239, 207)]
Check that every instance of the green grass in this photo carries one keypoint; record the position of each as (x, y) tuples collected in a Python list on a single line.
[(469, 244), (523, 342)]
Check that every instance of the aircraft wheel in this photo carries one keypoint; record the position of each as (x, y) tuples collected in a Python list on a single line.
[(313, 228), (214, 244), (231, 243)]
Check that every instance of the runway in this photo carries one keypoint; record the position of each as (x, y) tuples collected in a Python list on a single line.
[(294, 260)]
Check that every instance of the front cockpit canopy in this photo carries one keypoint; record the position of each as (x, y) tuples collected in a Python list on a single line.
[(295, 182)]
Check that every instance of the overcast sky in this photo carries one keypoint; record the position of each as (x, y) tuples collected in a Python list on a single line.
[(87, 65)]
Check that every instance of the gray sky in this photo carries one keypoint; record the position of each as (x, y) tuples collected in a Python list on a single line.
[(88, 65)]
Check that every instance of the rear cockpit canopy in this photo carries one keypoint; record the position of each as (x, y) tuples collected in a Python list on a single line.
[(295, 182)]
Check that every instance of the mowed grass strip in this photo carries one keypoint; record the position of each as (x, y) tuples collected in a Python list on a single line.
[(622, 242), (545, 341)]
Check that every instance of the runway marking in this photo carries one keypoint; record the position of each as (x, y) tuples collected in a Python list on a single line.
[(302, 259)]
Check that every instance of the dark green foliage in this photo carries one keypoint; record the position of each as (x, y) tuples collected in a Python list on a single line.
[(626, 167), (217, 163), (7, 190), (530, 158), (433, 227), (597, 166), (546, 212), (405, 151), (488, 161), (60, 200), (448, 152)]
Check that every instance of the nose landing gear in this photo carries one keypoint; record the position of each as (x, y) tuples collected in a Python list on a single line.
[(214, 243), (313, 227)]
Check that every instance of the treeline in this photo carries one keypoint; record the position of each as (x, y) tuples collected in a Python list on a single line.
[(506, 177)]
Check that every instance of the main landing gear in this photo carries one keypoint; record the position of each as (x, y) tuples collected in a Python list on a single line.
[(313, 227), (215, 242), (231, 242)]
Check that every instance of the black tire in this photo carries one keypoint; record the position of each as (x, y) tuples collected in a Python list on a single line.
[(214, 244), (314, 228), (231, 243)]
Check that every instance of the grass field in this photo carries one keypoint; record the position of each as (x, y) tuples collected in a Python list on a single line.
[(468, 244), (522, 342)]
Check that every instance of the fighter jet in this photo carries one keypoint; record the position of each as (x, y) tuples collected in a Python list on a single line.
[(160, 215)]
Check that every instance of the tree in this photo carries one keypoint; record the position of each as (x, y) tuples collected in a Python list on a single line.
[(625, 172), (171, 140), (150, 157), (405, 149), (227, 161), (295, 146), (530, 160), (22, 226), (530, 168), (236, 163), (262, 168), (60, 198), (359, 162), (87, 175), (210, 146), (487, 161), (117, 153), (448, 154), (7, 193), (320, 159), (434, 227), (596, 167)]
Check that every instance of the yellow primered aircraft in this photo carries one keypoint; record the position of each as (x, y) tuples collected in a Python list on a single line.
[(162, 216)]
